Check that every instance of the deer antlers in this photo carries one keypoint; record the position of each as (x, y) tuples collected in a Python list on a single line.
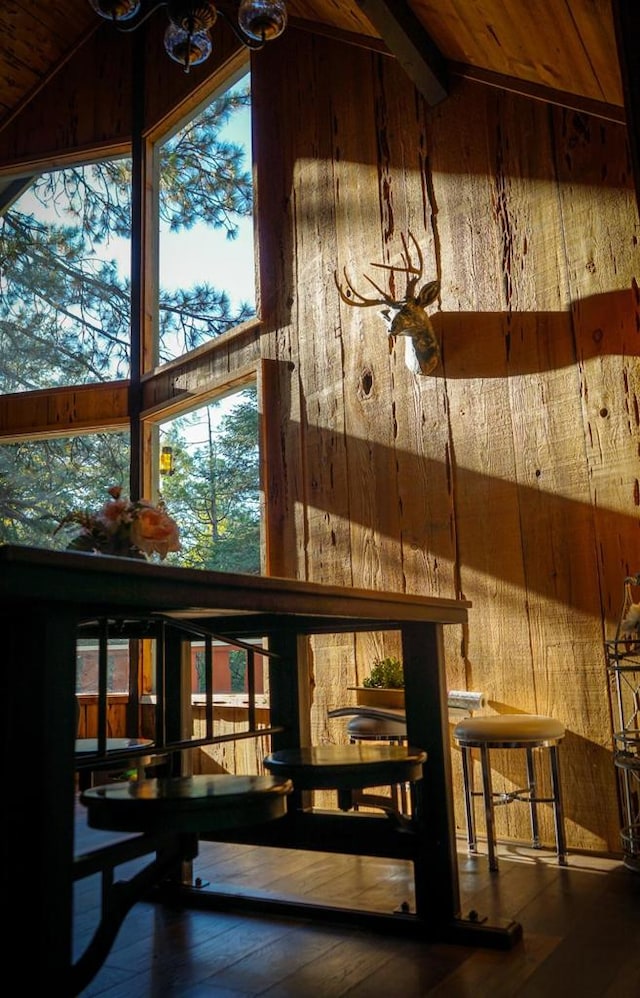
[(353, 297), (410, 319)]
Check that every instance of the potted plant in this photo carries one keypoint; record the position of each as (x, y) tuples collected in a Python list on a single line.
[(384, 686)]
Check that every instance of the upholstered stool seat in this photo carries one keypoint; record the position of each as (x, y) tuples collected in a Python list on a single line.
[(528, 732), (347, 768), (377, 724), (382, 723), (364, 726)]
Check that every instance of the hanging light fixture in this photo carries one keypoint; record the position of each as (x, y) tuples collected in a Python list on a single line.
[(187, 39)]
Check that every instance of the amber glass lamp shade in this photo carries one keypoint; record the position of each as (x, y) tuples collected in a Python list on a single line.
[(116, 10), (187, 39), (185, 48), (262, 20)]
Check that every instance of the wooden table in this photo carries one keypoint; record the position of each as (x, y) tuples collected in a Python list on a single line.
[(44, 595)]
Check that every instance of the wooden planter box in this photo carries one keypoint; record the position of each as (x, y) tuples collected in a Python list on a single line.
[(379, 696)]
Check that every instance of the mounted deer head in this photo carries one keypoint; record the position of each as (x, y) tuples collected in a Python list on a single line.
[(405, 316)]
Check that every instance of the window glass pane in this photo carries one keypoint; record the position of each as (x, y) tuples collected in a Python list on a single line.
[(206, 263), (230, 670), (213, 491), (87, 666), (64, 286), (41, 481)]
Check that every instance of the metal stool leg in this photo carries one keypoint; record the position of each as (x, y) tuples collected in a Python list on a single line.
[(467, 781), (487, 793), (403, 803), (533, 809), (558, 809), (399, 793)]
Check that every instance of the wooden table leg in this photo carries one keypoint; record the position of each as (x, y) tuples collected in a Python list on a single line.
[(39, 716), (436, 864)]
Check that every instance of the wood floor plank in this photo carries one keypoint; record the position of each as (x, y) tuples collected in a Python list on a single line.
[(501, 975), (318, 960), (393, 967), (199, 947), (581, 931), (626, 976)]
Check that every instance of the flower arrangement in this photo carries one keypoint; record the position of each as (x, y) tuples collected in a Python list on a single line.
[(124, 527)]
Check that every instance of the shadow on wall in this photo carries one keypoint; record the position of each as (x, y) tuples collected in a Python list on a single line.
[(501, 344)]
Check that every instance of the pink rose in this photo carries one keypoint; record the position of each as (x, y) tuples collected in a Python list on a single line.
[(154, 530)]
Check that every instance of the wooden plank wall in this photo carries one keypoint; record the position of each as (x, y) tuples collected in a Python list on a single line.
[(510, 476)]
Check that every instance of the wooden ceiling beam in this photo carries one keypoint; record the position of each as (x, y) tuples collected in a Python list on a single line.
[(414, 49), (537, 91)]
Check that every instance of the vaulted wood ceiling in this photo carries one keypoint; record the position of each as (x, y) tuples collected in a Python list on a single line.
[(559, 50)]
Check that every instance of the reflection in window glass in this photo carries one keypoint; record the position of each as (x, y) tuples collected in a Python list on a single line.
[(64, 286), (43, 480), (206, 229), (213, 488)]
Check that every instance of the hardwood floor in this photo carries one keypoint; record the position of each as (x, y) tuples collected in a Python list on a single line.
[(581, 932)]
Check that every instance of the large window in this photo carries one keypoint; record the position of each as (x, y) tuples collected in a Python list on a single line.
[(65, 296), (65, 320)]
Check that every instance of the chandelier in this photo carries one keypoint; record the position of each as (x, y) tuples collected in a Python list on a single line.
[(187, 39)]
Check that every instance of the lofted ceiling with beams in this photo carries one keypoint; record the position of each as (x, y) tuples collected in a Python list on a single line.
[(559, 50)]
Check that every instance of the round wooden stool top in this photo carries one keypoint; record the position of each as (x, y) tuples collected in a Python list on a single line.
[(186, 803), (347, 767)]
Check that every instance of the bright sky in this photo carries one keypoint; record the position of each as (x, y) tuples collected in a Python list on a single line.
[(203, 254)]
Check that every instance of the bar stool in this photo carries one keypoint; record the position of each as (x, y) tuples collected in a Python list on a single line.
[(348, 768), (389, 724), (375, 724), (510, 731)]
